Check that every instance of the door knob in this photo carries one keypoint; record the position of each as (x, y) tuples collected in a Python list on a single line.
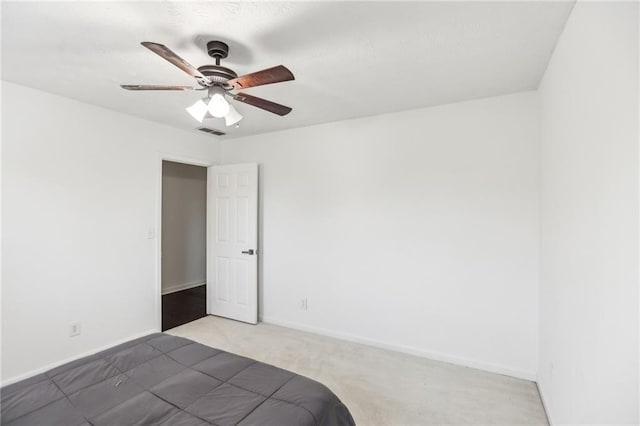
[(249, 252)]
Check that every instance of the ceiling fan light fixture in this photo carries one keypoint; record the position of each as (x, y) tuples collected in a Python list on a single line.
[(220, 83), (232, 117), (198, 110), (218, 105)]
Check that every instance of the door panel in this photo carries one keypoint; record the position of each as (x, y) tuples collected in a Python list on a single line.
[(232, 228)]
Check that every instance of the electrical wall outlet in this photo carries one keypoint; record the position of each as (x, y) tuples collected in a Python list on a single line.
[(303, 304), (151, 233), (74, 329)]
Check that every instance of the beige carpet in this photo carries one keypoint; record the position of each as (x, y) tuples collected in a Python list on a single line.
[(380, 387)]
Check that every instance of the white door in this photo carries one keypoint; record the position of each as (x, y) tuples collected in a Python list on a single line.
[(232, 242)]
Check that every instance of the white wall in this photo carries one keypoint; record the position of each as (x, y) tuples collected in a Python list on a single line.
[(184, 226), (416, 230), (80, 193), (588, 369)]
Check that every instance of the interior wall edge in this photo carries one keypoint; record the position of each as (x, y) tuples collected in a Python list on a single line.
[(431, 355), (183, 286), (229, 141), (196, 134), (545, 406), (55, 364)]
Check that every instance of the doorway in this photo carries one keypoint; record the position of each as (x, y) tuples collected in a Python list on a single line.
[(183, 243)]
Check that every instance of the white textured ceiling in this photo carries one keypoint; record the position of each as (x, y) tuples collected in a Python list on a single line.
[(350, 59)]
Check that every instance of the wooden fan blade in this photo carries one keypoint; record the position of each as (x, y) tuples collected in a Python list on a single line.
[(171, 56), (268, 76), (262, 103), (152, 87)]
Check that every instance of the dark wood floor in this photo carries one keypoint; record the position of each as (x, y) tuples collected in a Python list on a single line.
[(183, 306)]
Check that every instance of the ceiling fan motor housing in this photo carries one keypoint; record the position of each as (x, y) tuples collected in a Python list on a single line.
[(217, 74)]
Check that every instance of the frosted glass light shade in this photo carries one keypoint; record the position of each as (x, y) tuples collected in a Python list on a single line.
[(232, 117), (198, 110), (218, 106)]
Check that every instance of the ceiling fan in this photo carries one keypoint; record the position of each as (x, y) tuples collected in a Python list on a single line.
[(219, 82)]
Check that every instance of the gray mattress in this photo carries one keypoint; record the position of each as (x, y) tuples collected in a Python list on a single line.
[(166, 380)]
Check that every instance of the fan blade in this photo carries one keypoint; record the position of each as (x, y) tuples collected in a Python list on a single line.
[(268, 76), (262, 103), (169, 55), (152, 87)]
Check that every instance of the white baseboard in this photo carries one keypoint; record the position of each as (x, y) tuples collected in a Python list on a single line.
[(544, 402), (434, 355), (180, 287), (73, 358)]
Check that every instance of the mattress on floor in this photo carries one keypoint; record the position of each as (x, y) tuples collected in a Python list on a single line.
[(166, 380)]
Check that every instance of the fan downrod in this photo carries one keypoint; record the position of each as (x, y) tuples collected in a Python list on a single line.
[(217, 50)]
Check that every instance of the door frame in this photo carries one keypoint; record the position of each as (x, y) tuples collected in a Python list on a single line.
[(164, 156)]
